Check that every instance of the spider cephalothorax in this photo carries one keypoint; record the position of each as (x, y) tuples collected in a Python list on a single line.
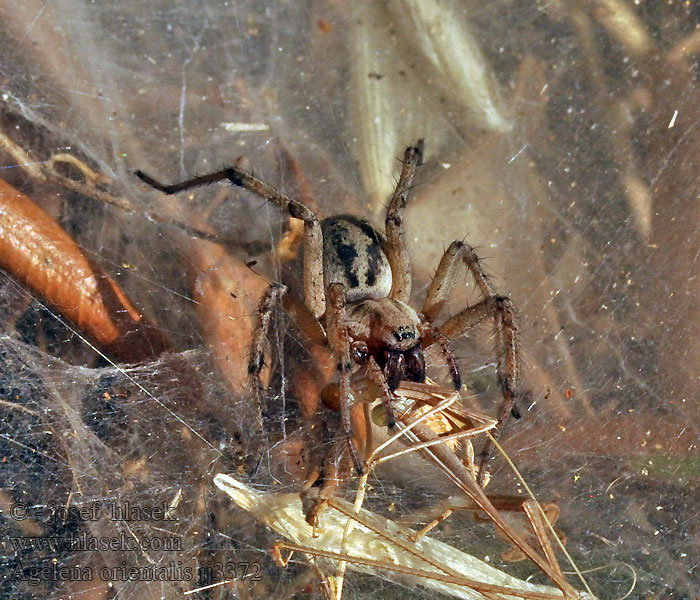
[(387, 331), (357, 285), (380, 328)]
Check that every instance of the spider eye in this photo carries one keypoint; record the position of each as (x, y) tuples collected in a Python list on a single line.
[(404, 334), (360, 352)]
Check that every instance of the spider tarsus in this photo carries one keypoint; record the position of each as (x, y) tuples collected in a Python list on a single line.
[(390, 416), (515, 411), (355, 457), (148, 180), (418, 150)]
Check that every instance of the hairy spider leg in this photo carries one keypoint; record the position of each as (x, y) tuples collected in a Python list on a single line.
[(400, 259), (432, 335), (256, 354), (397, 251), (500, 308), (313, 240), (337, 333)]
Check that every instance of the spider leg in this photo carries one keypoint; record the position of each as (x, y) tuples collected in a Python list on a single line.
[(397, 251), (431, 335), (375, 373), (256, 355), (313, 239), (322, 484), (444, 279), (306, 324), (500, 308), (508, 366), (339, 342)]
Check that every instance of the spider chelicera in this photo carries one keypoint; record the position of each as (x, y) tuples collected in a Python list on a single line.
[(357, 285)]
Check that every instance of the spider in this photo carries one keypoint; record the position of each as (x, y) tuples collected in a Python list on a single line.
[(357, 286)]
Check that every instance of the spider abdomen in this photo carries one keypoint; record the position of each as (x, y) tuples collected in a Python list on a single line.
[(353, 255)]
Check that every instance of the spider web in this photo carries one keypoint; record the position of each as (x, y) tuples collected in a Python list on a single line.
[(571, 166)]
